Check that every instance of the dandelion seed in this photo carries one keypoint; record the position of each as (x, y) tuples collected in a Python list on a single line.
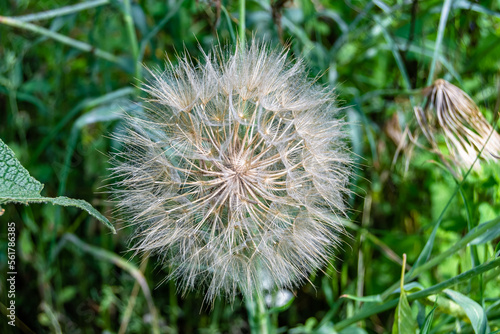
[(236, 170), (452, 112)]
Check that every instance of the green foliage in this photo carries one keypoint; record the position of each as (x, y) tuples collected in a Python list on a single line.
[(68, 71), (475, 312), (404, 322), (17, 186)]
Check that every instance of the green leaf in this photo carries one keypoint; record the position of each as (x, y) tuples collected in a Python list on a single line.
[(426, 328), (373, 298), (488, 235), (410, 287), (474, 311), (18, 186), (16, 182), (403, 319)]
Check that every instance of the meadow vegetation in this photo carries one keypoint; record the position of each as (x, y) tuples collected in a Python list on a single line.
[(422, 254)]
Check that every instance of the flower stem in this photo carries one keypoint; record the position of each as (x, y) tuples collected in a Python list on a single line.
[(242, 22), (129, 21), (442, 25), (258, 316)]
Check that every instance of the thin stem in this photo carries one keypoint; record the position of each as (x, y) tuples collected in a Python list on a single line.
[(129, 22), (131, 301), (158, 27), (395, 52), (123, 264), (402, 283), (49, 14), (60, 38), (56, 327), (173, 305), (442, 25), (229, 23), (241, 25)]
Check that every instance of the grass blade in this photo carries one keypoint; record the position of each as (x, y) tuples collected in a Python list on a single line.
[(474, 311)]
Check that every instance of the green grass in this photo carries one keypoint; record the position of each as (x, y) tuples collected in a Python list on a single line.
[(67, 74)]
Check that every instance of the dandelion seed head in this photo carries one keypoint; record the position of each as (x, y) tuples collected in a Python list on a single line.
[(236, 170)]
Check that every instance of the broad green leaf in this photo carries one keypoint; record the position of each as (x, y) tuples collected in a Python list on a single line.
[(18, 186), (474, 311), (404, 323)]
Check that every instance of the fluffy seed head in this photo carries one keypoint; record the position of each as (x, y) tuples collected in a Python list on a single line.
[(235, 171), (452, 112)]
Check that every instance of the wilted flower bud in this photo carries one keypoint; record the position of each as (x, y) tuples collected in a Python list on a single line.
[(452, 112), (236, 170)]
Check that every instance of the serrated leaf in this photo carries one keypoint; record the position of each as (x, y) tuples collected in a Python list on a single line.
[(15, 181), (79, 203), (474, 311), (18, 186)]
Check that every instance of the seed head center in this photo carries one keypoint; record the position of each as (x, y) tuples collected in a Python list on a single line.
[(239, 166)]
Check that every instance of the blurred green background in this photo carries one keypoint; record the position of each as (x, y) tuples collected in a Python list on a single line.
[(65, 78)]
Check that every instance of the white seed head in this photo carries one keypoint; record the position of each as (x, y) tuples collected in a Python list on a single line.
[(236, 170)]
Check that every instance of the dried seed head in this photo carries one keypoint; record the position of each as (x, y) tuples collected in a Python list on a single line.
[(236, 170), (452, 112)]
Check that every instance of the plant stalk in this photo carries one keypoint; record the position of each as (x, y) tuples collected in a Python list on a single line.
[(439, 40), (241, 25), (129, 22), (258, 315)]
